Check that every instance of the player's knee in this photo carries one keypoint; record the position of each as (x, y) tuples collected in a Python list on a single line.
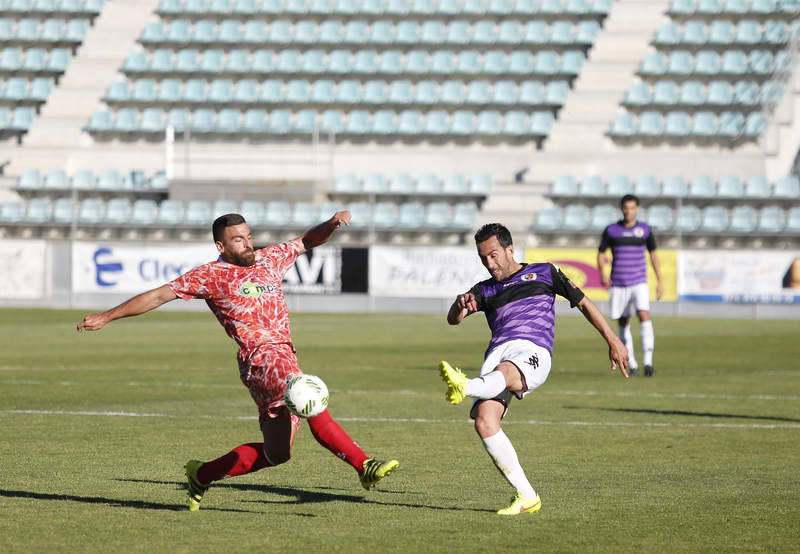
[(277, 455), (486, 426)]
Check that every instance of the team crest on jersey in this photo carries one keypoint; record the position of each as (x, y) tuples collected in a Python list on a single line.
[(639, 232), (529, 277), (253, 290)]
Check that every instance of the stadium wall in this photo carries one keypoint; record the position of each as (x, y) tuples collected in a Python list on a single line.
[(96, 274)]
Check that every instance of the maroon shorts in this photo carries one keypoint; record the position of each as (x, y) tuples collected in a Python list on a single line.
[(265, 372)]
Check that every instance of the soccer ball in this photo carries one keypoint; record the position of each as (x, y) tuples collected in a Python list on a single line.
[(306, 395)]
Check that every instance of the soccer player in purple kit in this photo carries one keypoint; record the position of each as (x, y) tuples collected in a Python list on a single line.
[(628, 240), (518, 301)]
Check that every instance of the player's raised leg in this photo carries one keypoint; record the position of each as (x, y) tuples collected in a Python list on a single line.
[(279, 434), (505, 376), (499, 447)]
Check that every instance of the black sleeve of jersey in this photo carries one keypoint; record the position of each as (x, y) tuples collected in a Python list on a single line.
[(564, 287), (651, 241), (477, 291), (604, 242)]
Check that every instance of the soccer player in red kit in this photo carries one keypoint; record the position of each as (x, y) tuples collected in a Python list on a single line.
[(243, 290)]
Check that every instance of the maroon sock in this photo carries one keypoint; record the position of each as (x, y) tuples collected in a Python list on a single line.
[(245, 458), (330, 435)]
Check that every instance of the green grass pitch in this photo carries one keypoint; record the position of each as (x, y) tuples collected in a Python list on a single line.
[(96, 428)]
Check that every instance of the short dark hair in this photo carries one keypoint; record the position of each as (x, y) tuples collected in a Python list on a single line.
[(494, 230), (223, 221), (629, 198)]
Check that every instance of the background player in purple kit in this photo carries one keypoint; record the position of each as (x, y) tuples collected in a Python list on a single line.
[(519, 302), (628, 240)]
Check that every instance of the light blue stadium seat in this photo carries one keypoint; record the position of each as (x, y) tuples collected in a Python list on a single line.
[(118, 91), (619, 185), (775, 32), (384, 122), (263, 61), (298, 91), (348, 92), (347, 183), (432, 32), (59, 59), (11, 59), (246, 92), (757, 186), (144, 90), (746, 93), (423, 7), (375, 92), (228, 121), (463, 123), (358, 123), (161, 61), (624, 125), (730, 186), (118, 211), (714, 220), (417, 62), (28, 30), (153, 120), (289, 61), (332, 121), (680, 63), (254, 32), (198, 212), (688, 219), (437, 215), (748, 31), (322, 92), (709, 7), (187, 61), (271, 91), (516, 123), (253, 212), (702, 186), (12, 212), (340, 61), (464, 215), (30, 179), (743, 219), (255, 121), (478, 92), (6, 29), (452, 92), (407, 32), (381, 32), (56, 179), (793, 220), (692, 94), (331, 31), (22, 118), (707, 62), (458, 33), (531, 93), (668, 34), (510, 32), (602, 215), (355, 32), (203, 32), (221, 7), (665, 93), (787, 187), (397, 7), (754, 125), (178, 119), (677, 124), (674, 186), (426, 92), (562, 33), (63, 211), (704, 124), (305, 32), (651, 124), (468, 62), (409, 122), (39, 210), (327, 209), (654, 63), (738, 7), (694, 33), (484, 32), (720, 93), (126, 121), (734, 62), (660, 218), (110, 180), (391, 62), (401, 183), (504, 93), (304, 214), (771, 92), (592, 185), (576, 217), (212, 61), (195, 91), (647, 186), (638, 94), (280, 122), (428, 183), (761, 62), (566, 185), (296, 7), (455, 184), (385, 214), (443, 62), (159, 181), (170, 212), (365, 61), (721, 32), (730, 124), (536, 32), (572, 62), (411, 215), (170, 7), (16, 89), (490, 123), (198, 7), (436, 123), (547, 219), (495, 62), (586, 32), (54, 30), (772, 219), (203, 121)]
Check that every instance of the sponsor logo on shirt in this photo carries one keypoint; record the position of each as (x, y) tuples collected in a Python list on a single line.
[(254, 290)]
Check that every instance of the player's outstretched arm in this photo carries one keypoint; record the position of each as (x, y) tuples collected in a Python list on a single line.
[(139, 304), (617, 352), (464, 305), (320, 234)]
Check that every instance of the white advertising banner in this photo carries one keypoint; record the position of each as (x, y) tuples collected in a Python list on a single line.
[(133, 268), (424, 272), (763, 276), (22, 270)]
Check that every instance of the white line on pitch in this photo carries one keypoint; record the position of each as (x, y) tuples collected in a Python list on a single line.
[(422, 420)]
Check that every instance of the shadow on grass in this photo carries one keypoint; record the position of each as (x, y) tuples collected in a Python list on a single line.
[(318, 495), (139, 504), (685, 413)]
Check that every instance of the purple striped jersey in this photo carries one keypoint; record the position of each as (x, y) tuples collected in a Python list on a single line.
[(629, 264), (522, 306)]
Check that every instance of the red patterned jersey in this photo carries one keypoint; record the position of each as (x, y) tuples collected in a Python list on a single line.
[(248, 301)]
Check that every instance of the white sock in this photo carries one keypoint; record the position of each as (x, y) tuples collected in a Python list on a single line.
[(648, 341), (487, 386), (505, 458), (627, 338)]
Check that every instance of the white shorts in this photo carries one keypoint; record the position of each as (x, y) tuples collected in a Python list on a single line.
[(625, 299), (532, 360)]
